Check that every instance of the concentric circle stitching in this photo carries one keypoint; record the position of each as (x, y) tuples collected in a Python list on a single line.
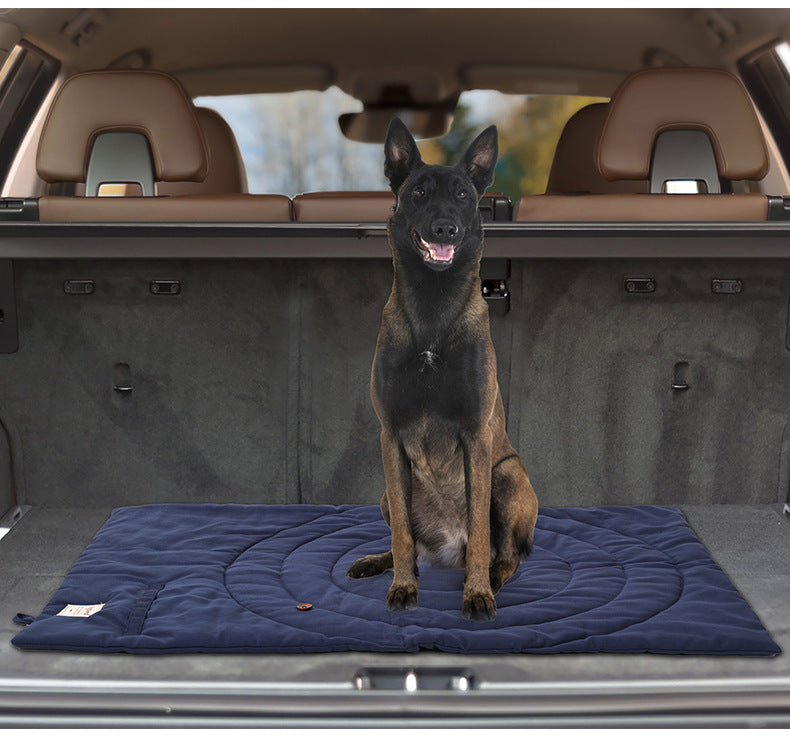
[(331, 568)]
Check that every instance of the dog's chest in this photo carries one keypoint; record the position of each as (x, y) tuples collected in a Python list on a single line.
[(429, 381)]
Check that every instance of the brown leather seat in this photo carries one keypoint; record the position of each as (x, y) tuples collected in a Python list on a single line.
[(225, 170), (742, 207), (343, 206), (201, 208), (151, 103), (646, 105), (574, 170)]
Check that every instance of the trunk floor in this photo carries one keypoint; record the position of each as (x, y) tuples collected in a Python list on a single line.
[(751, 544)]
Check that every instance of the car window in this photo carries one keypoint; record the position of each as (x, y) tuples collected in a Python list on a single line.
[(291, 143)]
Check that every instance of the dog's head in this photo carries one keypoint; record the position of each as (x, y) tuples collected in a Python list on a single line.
[(436, 211)]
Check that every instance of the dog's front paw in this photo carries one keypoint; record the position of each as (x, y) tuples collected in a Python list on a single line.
[(402, 597), (479, 606)]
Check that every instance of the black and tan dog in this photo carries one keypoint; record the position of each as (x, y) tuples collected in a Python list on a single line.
[(457, 493)]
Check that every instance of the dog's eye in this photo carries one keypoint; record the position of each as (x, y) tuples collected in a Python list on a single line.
[(418, 192), (462, 193)]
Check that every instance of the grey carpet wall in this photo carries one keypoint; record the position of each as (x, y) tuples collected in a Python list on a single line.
[(252, 384)]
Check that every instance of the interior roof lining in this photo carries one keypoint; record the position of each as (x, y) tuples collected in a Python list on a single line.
[(340, 38)]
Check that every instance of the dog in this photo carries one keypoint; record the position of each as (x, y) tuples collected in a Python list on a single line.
[(457, 493)]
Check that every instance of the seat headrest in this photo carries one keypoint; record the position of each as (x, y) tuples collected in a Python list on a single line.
[(106, 101), (651, 101), (226, 172), (573, 169)]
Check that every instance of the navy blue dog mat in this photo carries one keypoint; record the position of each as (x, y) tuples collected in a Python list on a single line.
[(231, 578)]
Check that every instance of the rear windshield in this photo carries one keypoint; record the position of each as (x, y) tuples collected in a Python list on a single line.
[(291, 143)]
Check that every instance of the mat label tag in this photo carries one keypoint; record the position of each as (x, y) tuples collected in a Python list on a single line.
[(81, 611)]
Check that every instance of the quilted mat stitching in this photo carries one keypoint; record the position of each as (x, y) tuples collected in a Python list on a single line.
[(410, 633), (283, 562), (643, 619)]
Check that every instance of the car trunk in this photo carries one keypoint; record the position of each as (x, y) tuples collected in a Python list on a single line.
[(639, 364)]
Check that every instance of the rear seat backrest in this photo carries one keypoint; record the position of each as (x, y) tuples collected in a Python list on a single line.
[(154, 105), (647, 104), (225, 172), (344, 206), (574, 170)]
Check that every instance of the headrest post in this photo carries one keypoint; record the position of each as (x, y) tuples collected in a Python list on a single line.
[(120, 158), (683, 155)]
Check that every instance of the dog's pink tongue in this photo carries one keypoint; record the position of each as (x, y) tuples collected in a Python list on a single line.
[(441, 252)]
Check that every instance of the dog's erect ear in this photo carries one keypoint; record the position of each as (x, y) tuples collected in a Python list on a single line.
[(480, 159), (401, 155)]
